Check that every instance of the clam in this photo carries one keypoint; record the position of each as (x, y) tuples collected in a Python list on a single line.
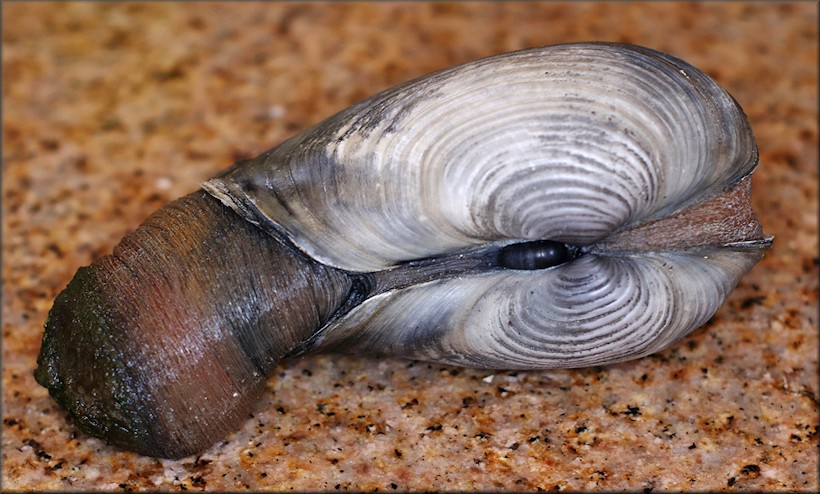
[(564, 206)]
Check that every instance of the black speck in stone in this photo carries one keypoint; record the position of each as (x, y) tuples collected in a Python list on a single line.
[(55, 249), (410, 403), (752, 301)]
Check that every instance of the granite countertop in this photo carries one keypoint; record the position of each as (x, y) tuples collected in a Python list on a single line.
[(112, 110)]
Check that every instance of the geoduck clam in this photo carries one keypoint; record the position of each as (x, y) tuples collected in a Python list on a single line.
[(564, 206)]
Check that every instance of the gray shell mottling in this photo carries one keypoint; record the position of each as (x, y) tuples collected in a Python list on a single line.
[(572, 143)]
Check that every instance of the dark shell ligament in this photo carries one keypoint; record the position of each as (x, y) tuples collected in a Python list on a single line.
[(540, 254)]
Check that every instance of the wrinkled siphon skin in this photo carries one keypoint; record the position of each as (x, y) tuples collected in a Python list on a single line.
[(523, 226), (163, 347)]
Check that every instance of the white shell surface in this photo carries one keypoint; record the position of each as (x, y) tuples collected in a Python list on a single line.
[(594, 310), (574, 143), (567, 143)]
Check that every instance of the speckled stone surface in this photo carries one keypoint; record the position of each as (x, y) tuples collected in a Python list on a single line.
[(109, 111)]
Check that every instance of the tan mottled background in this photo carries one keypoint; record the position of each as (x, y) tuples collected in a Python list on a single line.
[(111, 110)]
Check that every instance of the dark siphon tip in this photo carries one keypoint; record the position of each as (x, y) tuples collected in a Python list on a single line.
[(82, 366)]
